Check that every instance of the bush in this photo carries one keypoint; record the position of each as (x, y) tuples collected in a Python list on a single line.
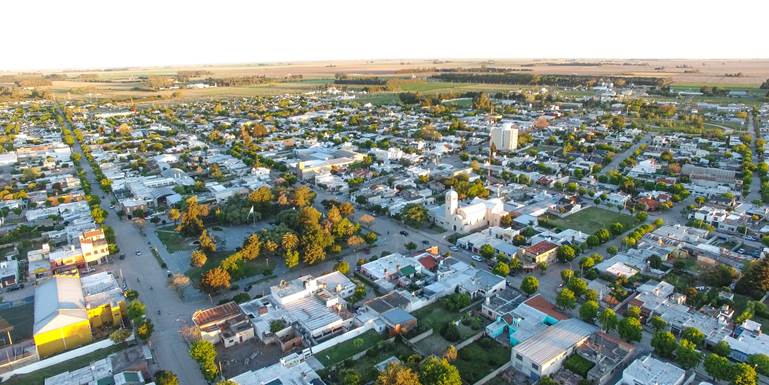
[(450, 332)]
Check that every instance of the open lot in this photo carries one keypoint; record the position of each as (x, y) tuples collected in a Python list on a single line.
[(593, 219), (348, 348), (172, 240), (480, 358), (21, 318)]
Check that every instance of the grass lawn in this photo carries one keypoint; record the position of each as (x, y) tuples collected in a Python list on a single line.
[(679, 281), (38, 377), (365, 365), (435, 316), (21, 317), (172, 240), (247, 268), (478, 359), (578, 365), (593, 219), (347, 349), (379, 98)]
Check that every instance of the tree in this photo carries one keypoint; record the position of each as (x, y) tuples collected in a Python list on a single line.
[(252, 247), (342, 267), (629, 329), (566, 254), (529, 285), (578, 286), (164, 377), (397, 374), (192, 222), (135, 310), (566, 275), (658, 323), (414, 214), (633, 312), (566, 299), (608, 320), (761, 362), (502, 269), (743, 374), (687, 355), (438, 371), (215, 279), (119, 335), (207, 243), (755, 280), (451, 353), (722, 349), (717, 366), (303, 196), (204, 353), (289, 241), (693, 335), (487, 251), (351, 377), (664, 344), (144, 330), (198, 258), (589, 310), (547, 380), (291, 259)]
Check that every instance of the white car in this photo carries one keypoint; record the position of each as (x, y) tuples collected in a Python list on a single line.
[(477, 258)]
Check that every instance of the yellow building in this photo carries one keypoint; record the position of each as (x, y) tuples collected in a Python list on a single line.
[(61, 320), (68, 308)]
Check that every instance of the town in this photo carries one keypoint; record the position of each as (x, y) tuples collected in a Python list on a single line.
[(594, 230)]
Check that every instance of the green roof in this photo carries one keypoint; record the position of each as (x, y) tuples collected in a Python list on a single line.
[(408, 270)]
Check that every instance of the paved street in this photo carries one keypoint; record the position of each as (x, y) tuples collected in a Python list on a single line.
[(614, 164), (143, 274)]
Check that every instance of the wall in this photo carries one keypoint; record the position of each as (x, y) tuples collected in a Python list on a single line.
[(493, 374), (59, 340), (105, 343), (340, 338)]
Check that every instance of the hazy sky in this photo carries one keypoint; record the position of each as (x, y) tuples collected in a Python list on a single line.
[(53, 34)]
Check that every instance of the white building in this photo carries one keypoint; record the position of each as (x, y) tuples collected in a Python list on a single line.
[(505, 138), (544, 352), (651, 371), (478, 214)]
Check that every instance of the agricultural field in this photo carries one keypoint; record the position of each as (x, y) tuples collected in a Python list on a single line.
[(593, 219)]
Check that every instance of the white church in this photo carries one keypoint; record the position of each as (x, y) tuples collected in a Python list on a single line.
[(479, 213)]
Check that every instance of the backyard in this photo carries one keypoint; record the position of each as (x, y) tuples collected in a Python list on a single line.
[(21, 318), (347, 349), (480, 358), (38, 377), (578, 365), (365, 365), (437, 316), (593, 219)]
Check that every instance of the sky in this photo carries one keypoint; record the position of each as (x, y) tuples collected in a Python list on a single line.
[(75, 34)]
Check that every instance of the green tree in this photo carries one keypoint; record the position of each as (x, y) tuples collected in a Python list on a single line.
[(566, 275), (164, 377), (566, 299), (693, 335), (119, 335), (630, 329), (722, 349), (487, 251), (529, 285), (717, 366), (578, 286), (204, 353), (397, 374), (144, 330), (351, 377), (658, 323), (438, 371), (687, 355), (566, 254), (502, 269), (589, 310), (761, 362), (414, 214), (664, 344), (135, 310), (743, 374), (291, 259), (608, 320), (633, 312), (342, 267)]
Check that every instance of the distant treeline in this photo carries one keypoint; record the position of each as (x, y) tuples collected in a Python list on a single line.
[(26, 80), (545, 80), (184, 76), (238, 81), (361, 81)]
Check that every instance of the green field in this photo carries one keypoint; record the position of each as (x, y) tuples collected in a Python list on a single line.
[(247, 268), (21, 318), (347, 349), (578, 365), (172, 240), (38, 377), (435, 316), (593, 219), (480, 358)]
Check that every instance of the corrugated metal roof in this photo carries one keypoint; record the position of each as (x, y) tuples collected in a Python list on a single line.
[(59, 302), (549, 343)]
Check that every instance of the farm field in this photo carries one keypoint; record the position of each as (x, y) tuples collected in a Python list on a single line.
[(593, 219)]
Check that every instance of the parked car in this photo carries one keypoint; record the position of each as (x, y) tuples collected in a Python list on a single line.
[(122, 257), (138, 252), (453, 248), (404, 233), (477, 258), (425, 242)]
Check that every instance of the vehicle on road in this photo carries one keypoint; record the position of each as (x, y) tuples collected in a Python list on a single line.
[(138, 252), (425, 242), (477, 258), (121, 256), (453, 248), (404, 233)]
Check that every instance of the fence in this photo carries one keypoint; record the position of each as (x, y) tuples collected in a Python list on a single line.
[(420, 337), (59, 358), (471, 339)]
